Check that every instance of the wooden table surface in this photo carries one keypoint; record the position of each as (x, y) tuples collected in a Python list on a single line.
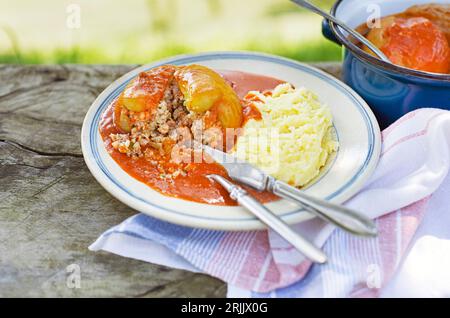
[(51, 208)]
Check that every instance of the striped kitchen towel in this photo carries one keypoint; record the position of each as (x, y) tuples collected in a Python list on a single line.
[(410, 186)]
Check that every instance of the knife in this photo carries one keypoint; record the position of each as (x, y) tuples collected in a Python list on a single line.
[(343, 217)]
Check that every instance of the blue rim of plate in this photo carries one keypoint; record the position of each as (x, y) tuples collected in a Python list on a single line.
[(181, 60)]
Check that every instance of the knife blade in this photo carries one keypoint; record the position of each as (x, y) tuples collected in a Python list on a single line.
[(238, 169)]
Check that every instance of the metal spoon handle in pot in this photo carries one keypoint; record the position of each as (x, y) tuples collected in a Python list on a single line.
[(360, 37)]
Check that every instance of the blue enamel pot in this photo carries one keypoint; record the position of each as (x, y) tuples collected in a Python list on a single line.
[(390, 90)]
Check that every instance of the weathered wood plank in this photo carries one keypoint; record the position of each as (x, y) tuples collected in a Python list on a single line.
[(51, 208)]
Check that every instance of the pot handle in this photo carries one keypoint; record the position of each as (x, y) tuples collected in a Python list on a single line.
[(328, 33)]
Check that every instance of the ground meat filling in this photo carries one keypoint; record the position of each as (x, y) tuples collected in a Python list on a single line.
[(169, 124)]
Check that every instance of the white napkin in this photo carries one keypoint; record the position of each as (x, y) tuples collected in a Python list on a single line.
[(414, 164)]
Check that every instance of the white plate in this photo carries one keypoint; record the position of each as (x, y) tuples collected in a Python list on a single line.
[(356, 128)]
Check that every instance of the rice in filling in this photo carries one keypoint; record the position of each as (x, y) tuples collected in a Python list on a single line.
[(169, 124)]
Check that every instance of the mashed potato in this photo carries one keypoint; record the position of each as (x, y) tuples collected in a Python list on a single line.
[(294, 138)]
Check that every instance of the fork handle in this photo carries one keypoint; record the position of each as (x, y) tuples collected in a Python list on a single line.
[(339, 215), (271, 220)]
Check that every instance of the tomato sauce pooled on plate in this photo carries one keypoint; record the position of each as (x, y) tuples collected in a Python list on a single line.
[(194, 185)]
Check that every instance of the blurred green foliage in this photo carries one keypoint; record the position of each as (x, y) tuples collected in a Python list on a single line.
[(287, 7), (307, 52), (271, 26)]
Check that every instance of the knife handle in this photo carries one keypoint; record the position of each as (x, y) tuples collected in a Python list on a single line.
[(271, 220), (339, 215)]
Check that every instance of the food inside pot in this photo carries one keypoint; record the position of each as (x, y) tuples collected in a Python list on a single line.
[(418, 38)]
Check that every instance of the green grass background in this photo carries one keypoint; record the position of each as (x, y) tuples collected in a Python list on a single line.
[(140, 31)]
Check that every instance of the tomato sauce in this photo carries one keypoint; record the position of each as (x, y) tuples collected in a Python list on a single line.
[(418, 44), (193, 186), (418, 38)]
